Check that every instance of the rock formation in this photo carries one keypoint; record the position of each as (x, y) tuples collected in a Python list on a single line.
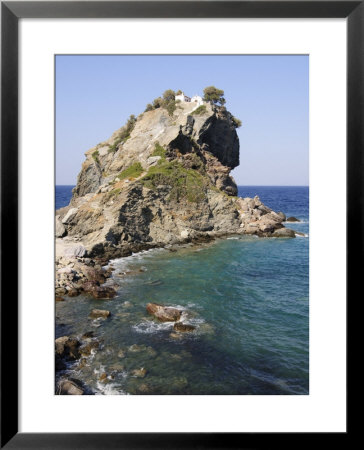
[(161, 179)]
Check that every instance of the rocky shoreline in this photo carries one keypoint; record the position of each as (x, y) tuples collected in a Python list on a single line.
[(77, 275)]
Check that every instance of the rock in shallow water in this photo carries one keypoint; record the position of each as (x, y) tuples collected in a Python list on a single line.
[(293, 219), (139, 373), (95, 313), (164, 313), (67, 347), (73, 292), (67, 387), (175, 335), (179, 326), (284, 233), (121, 354), (87, 348), (101, 292)]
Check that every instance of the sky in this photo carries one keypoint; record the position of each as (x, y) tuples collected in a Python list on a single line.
[(95, 94)]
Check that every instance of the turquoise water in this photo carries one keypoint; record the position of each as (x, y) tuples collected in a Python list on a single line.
[(247, 297)]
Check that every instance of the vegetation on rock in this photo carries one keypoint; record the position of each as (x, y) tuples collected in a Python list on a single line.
[(95, 156), (124, 134), (167, 102), (237, 122), (200, 110), (133, 171), (185, 183), (214, 95), (159, 151)]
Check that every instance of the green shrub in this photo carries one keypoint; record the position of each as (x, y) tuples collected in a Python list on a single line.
[(149, 107), (159, 151), (200, 110), (237, 122), (168, 95), (157, 103), (111, 194), (114, 146), (133, 171), (95, 156), (170, 107), (185, 183), (124, 134)]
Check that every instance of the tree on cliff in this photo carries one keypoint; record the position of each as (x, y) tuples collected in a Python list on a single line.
[(214, 95), (168, 95)]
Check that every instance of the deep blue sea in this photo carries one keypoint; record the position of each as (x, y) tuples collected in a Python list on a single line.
[(248, 298)]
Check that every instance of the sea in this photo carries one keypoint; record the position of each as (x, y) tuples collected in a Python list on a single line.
[(248, 298)]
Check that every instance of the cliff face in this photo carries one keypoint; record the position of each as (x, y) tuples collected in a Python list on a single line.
[(211, 132), (160, 180)]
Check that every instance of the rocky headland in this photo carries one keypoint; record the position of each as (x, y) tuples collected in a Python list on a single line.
[(161, 180)]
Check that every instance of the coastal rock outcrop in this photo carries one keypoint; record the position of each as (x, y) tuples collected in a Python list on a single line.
[(164, 178), (67, 347), (75, 275), (284, 232), (68, 387), (164, 313)]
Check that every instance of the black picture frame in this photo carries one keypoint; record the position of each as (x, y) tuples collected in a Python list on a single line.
[(11, 12)]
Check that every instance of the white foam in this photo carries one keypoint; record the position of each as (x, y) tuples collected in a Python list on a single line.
[(108, 389), (122, 264), (152, 327)]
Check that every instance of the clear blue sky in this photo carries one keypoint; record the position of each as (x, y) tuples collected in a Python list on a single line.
[(96, 94)]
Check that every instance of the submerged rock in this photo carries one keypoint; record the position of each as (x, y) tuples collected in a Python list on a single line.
[(88, 335), (143, 389), (175, 335), (127, 304), (135, 348), (103, 377), (139, 373), (121, 354), (179, 326), (95, 313), (117, 367), (86, 349), (164, 313)]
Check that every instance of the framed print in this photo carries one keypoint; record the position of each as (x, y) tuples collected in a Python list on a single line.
[(169, 170)]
